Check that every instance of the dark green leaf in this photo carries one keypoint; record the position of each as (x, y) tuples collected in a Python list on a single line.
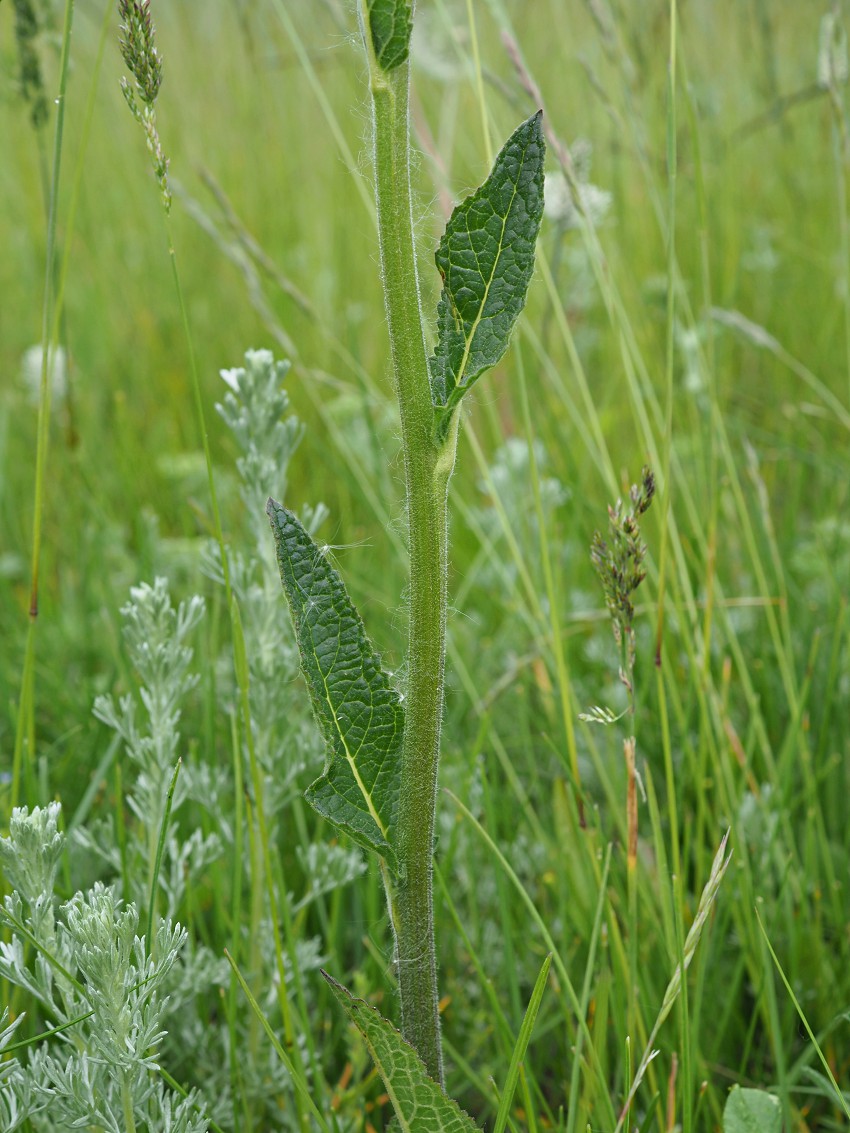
[(486, 259), (358, 711), (419, 1102), (390, 25)]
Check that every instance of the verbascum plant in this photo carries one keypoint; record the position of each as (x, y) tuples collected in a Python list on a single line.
[(382, 751)]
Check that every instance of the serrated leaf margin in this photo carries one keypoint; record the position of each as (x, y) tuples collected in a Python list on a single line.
[(370, 1022), (448, 384), (324, 791)]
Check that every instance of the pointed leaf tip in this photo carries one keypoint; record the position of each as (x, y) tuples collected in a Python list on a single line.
[(419, 1102), (486, 260), (358, 711)]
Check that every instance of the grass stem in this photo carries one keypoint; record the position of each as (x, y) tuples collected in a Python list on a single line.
[(25, 724)]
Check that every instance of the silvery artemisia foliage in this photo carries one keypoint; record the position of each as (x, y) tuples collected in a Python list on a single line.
[(16, 1101), (157, 637), (88, 969), (561, 207), (256, 410)]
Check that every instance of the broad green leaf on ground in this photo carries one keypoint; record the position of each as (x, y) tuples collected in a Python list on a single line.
[(358, 711), (751, 1111), (390, 25), (486, 259), (419, 1102)]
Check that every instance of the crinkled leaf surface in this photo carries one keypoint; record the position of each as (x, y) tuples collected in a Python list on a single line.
[(358, 711), (486, 259), (390, 25), (419, 1102), (751, 1111)]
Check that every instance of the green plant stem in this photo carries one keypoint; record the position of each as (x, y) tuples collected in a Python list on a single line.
[(301, 1089), (262, 864), (632, 885), (427, 470), (25, 725), (156, 862), (127, 1104), (672, 283), (684, 1009), (840, 1097), (199, 409), (236, 927), (840, 143)]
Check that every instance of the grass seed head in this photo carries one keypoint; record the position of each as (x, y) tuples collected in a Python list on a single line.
[(30, 80), (619, 559), (138, 48), (141, 56)]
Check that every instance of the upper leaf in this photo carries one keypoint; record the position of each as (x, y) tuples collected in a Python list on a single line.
[(358, 711), (390, 25), (419, 1102), (486, 259)]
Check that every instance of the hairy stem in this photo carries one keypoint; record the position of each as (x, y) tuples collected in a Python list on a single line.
[(427, 467)]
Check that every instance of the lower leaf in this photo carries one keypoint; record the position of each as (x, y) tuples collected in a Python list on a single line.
[(419, 1102), (357, 709)]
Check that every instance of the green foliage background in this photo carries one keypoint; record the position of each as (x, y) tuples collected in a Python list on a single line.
[(267, 98)]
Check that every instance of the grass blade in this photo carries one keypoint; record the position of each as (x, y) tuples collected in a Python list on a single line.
[(521, 1046), (297, 1079), (841, 1099)]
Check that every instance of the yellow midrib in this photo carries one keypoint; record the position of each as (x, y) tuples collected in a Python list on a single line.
[(478, 317)]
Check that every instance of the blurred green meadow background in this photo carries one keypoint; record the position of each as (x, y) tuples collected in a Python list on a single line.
[(698, 323)]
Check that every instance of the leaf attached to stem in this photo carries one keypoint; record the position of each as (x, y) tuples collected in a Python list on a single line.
[(358, 711), (486, 260)]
